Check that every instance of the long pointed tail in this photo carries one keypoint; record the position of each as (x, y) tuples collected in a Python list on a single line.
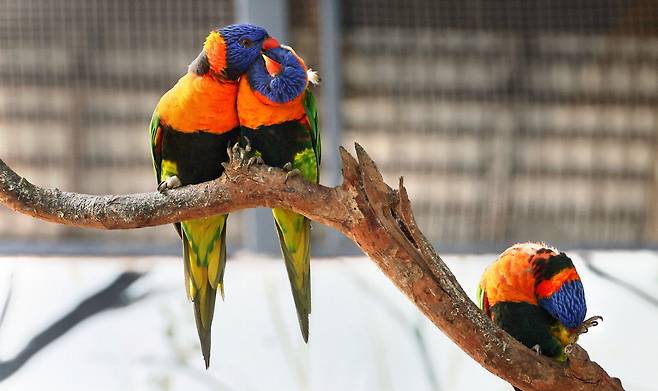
[(204, 308), (204, 252), (295, 238)]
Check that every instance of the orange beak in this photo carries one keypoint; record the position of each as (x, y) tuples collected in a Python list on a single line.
[(270, 43), (273, 67)]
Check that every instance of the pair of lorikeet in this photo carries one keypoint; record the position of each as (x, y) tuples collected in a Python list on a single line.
[(245, 87)]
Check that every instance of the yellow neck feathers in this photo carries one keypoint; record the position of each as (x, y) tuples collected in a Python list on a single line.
[(215, 49)]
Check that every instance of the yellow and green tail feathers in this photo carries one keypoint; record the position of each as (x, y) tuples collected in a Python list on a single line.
[(204, 252), (295, 237), (294, 230), (204, 307)]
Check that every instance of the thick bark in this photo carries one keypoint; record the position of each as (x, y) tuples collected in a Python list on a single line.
[(366, 210)]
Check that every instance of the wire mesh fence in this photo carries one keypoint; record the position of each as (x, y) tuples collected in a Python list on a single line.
[(510, 120), (78, 83)]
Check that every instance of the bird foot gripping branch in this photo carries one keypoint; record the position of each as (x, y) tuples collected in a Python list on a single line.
[(171, 183), (590, 322), (291, 172), (255, 160), (241, 156), (582, 329), (585, 326)]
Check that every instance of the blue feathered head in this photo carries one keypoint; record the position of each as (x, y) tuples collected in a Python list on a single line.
[(230, 50), (558, 287)]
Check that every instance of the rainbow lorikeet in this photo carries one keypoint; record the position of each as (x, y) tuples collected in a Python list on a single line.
[(192, 126), (533, 292), (279, 121)]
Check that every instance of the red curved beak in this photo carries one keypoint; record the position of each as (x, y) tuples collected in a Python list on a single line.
[(270, 43)]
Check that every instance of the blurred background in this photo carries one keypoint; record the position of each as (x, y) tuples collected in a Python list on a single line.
[(510, 120), (499, 115)]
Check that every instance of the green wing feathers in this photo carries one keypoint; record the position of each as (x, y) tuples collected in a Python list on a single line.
[(480, 296), (294, 230), (204, 250), (482, 301), (311, 109), (156, 143), (295, 237)]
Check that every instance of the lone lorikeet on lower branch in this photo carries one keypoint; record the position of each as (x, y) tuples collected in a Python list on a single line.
[(278, 119), (533, 292), (192, 126)]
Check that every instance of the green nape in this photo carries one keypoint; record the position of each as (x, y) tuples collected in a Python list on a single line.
[(529, 324)]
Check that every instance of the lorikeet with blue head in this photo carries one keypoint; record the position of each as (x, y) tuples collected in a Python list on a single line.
[(534, 292), (192, 126), (279, 121)]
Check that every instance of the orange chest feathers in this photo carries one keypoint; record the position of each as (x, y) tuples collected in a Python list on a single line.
[(200, 103), (510, 279), (256, 110)]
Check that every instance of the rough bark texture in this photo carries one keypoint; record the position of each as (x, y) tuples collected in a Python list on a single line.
[(366, 210)]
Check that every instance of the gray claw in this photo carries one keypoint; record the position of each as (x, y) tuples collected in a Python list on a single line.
[(287, 166), (171, 183), (237, 153), (584, 327), (591, 322), (257, 160), (568, 349), (537, 349), (231, 151), (292, 173)]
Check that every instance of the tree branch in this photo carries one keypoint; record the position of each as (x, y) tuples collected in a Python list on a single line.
[(366, 210)]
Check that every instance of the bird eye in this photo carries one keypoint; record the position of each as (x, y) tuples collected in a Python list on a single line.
[(246, 42)]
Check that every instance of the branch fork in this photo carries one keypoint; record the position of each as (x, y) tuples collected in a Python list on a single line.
[(364, 208)]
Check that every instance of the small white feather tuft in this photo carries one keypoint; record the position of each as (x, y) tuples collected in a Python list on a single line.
[(531, 248), (313, 76)]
